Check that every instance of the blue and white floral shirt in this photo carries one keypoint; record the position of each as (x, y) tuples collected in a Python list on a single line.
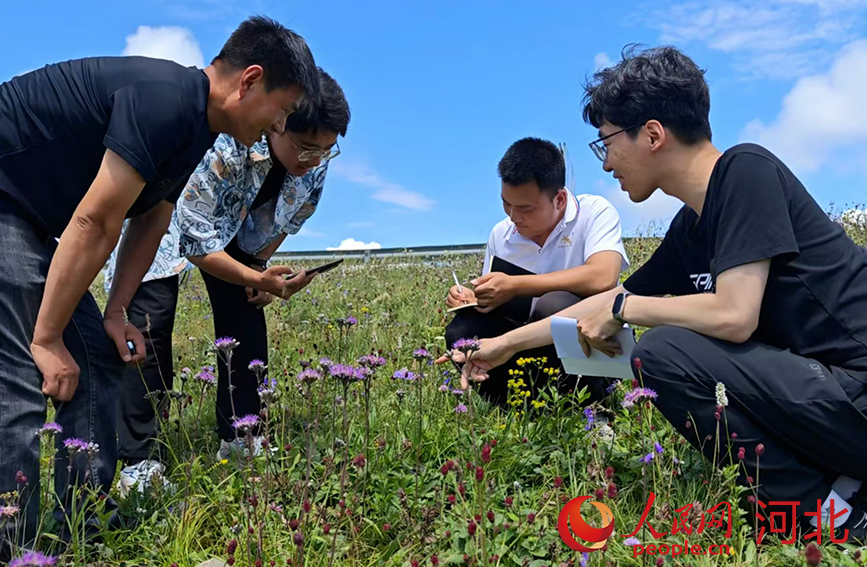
[(215, 207)]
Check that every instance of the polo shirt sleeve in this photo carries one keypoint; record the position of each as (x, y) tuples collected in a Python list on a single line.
[(149, 123), (603, 232), (199, 209), (489, 251)]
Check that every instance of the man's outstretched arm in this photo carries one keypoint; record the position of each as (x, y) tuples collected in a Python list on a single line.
[(82, 251)]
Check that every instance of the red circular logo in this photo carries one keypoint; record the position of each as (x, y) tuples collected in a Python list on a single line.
[(570, 515)]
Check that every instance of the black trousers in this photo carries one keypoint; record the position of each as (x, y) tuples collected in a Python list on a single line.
[(811, 418), (138, 423), (234, 317), (469, 323), (143, 387)]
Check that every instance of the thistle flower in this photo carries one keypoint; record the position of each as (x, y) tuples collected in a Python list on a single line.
[(9, 511), (206, 376), (460, 408), (325, 363), (345, 372), (309, 376), (467, 346), (49, 430), (403, 374), (33, 559), (246, 423), (444, 388), (226, 344), (420, 354), (457, 392), (347, 321), (75, 445), (631, 541), (371, 361), (721, 398), (257, 367), (638, 395)]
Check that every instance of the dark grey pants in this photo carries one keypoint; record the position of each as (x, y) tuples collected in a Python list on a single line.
[(25, 255), (137, 426), (811, 418), (469, 323)]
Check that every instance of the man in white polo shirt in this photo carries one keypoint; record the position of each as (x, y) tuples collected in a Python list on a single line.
[(553, 249)]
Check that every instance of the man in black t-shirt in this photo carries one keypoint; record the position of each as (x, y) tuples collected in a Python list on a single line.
[(768, 326), (85, 144)]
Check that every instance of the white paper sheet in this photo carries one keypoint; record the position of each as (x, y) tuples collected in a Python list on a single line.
[(565, 333)]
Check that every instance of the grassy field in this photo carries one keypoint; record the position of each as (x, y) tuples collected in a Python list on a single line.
[(388, 471)]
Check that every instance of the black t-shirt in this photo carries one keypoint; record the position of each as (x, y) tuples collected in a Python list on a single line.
[(815, 301), (56, 123)]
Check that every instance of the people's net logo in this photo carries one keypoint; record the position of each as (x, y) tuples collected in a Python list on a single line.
[(571, 521)]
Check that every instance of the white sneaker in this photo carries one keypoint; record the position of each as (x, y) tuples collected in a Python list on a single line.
[(238, 446), (139, 474)]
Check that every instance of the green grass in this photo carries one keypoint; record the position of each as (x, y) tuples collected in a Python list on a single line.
[(400, 500)]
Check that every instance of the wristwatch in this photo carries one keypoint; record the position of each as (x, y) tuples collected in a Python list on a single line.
[(617, 308), (261, 263)]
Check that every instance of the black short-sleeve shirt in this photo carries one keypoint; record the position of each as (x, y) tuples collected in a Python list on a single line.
[(815, 301), (56, 123)]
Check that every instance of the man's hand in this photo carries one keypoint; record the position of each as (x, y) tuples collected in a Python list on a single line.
[(121, 332), (492, 290), (274, 283), (493, 352), (456, 298), (59, 370), (258, 299), (597, 330)]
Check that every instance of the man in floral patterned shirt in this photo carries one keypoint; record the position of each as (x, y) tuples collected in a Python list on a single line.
[(235, 211)]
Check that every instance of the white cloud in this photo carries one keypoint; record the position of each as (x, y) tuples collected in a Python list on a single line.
[(601, 61), (172, 43), (386, 191), (655, 213), (352, 244), (782, 39), (304, 231), (823, 114)]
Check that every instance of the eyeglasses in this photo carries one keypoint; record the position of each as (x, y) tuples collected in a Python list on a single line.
[(600, 150), (321, 155)]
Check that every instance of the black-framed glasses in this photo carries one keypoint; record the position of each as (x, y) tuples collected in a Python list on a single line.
[(305, 154), (600, 150)]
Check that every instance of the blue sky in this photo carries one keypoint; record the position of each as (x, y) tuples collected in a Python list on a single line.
[(439, 90)]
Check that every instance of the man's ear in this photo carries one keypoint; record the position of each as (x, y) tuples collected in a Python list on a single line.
[(560, 199), (656, 134), (251, 75)]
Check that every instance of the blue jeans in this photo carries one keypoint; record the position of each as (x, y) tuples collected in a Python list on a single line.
[(25, 254)]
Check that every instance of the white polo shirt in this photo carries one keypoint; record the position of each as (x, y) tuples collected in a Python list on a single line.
[(590, 224)]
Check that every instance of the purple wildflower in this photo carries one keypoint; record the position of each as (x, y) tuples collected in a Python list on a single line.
[(309, 376), (647, 458), (345, 372), (33, 559), (420, 354), (403, 374), (460, 408), (9, 511), (325, 363), (74, 445), (347, 321), (612, 387), (444, 388), (457, 392), (257, 366), (631, 541), (584, 558), (371, 361), (226, 344), (244, 424), (658, 448), (206, 376), (591, 418), (467, 345), (637, 395), (49, 429)]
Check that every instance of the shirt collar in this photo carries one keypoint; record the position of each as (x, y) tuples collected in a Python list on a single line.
[(260, 151)]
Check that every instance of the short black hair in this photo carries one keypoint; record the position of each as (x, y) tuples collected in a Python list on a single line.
[(331, 114), (282, 54), (534, 159), (659, 83)]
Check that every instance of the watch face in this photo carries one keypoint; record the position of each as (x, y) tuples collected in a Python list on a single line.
[(618, 303)]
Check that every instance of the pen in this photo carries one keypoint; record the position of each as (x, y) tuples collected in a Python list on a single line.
[(457, 283)]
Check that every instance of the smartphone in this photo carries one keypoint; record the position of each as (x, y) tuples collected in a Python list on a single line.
[(325, 267), (131, 346)]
